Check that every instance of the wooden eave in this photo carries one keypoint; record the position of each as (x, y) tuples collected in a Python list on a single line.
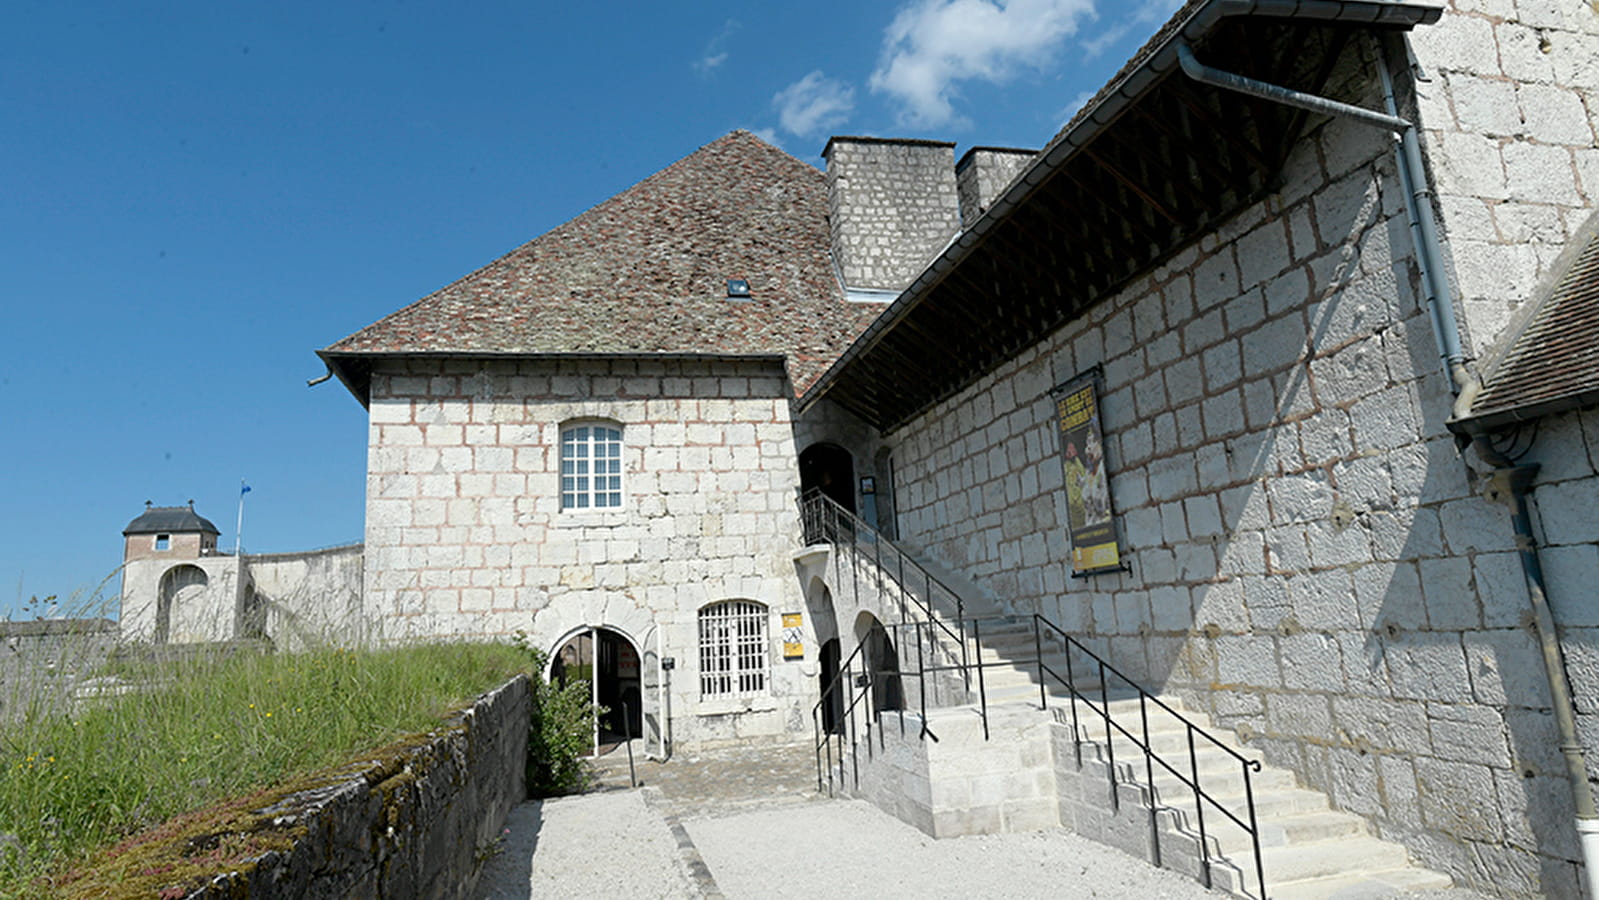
[(1151, 167)]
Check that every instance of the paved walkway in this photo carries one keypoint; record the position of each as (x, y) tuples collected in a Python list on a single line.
[(749, 823)]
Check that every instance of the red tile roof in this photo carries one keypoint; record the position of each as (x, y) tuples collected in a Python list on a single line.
[(1553, 364), (646, 272)]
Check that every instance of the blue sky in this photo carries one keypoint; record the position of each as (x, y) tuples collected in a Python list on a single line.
[(194, 197)]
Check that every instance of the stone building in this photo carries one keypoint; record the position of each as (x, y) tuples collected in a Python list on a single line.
[(1334, 347), (178, 588)]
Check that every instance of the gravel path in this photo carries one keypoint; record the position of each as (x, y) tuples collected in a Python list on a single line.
[(780, 853), (593, 845), (748, 824), (616, 844)]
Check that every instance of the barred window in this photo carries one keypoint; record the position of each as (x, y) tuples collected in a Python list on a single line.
[(732, 648), (591, 467)]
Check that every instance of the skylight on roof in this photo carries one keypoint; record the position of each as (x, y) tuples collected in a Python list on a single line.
[(738, 289)]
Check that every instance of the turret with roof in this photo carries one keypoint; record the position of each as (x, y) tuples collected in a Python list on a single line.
[(169, 531)]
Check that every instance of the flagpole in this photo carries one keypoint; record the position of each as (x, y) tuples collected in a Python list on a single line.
[(238, 530)]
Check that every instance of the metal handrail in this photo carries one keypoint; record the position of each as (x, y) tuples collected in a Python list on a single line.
[(824, 739), (824, 521), (817, 508), (1190, 780)]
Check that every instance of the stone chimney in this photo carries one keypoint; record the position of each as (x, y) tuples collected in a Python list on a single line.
[(982, 173), (892, 207)]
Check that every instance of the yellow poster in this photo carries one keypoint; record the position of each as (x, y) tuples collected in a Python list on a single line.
[(793, 636), (1082, 450)]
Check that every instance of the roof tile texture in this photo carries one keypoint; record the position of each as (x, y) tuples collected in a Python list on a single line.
[(646, 272), (1555, 361)]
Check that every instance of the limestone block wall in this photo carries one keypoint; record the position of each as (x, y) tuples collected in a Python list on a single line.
[(892, 206), (1508, 112), (466, 535), (307, 599), (961, 783), (1310, 561)]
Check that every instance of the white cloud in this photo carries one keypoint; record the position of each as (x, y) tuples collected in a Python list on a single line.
[(769, 135), (1146, 14), (713, 55), (932, 44), (813, 104)]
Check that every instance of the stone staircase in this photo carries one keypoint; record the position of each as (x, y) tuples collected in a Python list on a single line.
[(1308, 849)]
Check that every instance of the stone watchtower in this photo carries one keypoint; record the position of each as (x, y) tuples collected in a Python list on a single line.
[(176, 586)]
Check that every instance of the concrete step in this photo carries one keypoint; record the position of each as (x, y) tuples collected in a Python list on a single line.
[(1284, 830), (1362, 885), (1331, 858)]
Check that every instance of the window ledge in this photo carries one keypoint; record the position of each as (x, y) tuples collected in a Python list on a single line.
[(590, 518), (724, 706)]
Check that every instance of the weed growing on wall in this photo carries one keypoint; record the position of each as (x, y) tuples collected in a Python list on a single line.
[(561, 732), (154, 735)]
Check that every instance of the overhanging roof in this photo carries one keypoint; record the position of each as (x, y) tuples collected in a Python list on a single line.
[(1153, 162), (1552, 364)]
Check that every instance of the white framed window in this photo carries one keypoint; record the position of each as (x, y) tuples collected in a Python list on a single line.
[(733, 652), (163, 542), (591, 467)]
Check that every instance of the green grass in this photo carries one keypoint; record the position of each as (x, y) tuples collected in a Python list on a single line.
[(77, 778)]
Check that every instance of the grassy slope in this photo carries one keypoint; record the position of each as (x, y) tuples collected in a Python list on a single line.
[(79, 781)]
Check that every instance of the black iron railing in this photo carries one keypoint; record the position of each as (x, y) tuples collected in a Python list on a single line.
[(827, 522), (1190, 780), (920, 595)]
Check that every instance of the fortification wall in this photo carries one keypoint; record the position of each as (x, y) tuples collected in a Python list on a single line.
[(1310, 559), (307, 599)]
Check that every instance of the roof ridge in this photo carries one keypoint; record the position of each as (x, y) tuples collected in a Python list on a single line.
[(658, 174)]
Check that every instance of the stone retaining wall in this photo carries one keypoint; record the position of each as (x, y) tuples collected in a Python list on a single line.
[(414, 822)]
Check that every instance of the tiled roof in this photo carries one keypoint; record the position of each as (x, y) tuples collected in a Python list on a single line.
[(646, 272), (170, 518), (1553, 364)]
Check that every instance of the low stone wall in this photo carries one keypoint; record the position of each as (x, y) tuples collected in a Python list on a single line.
[(960, 784), (414, 821)]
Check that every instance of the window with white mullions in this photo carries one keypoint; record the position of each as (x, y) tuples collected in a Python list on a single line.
[(733, 652), (591, 467)]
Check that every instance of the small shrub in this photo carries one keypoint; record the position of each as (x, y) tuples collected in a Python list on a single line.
[(561, 732)]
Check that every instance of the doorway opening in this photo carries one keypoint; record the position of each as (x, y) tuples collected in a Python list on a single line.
[(608, 661), (883, 664), (832, 694), (830, 469)]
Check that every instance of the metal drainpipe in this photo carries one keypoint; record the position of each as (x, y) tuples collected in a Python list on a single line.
[(1510, 481)]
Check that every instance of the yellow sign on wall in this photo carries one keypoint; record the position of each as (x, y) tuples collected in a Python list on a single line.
[(793, 636)]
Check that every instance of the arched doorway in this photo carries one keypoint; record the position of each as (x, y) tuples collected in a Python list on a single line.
[(608, 660), (830, 469), (832, 693), (882, 664), (178, 607)]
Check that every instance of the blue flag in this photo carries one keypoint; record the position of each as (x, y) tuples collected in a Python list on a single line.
[(243, 489)]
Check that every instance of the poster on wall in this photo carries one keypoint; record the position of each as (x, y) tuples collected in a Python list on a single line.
[(793, 636), (1089, 521)]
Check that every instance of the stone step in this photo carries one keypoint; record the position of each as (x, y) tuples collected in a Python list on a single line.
[(1330, 859), (1286, 830), (1362, 884)]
